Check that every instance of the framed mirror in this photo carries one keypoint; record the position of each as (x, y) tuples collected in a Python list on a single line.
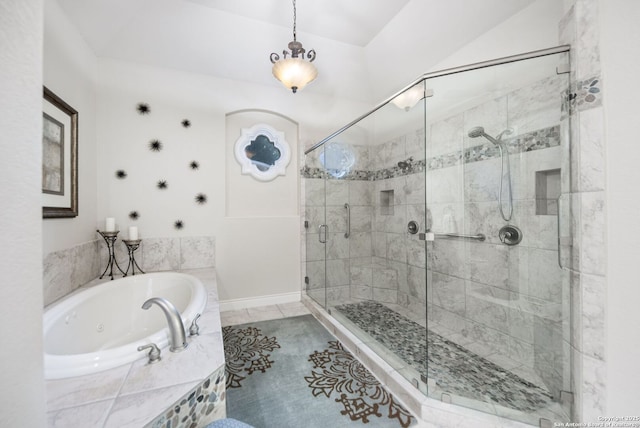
[(262, 152)]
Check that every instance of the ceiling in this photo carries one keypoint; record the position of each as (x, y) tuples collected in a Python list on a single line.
[(366, 49)]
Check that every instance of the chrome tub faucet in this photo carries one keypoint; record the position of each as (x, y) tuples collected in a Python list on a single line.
[(176, 328)]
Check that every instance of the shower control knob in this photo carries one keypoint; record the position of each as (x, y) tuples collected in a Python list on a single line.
[(412, 227), (510, 235)]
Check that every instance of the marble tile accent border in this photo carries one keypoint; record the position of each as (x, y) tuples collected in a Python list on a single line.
[(585, 94), (202, 405), (536, 140)]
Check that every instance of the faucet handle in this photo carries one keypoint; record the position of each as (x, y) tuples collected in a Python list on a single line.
[(194, 330), (154, 353)]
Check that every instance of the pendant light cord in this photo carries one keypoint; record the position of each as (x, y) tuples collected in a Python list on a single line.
[(294, 20)]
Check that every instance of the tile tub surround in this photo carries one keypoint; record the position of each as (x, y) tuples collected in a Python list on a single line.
[(167, 254), (137, 393), (66, 270)]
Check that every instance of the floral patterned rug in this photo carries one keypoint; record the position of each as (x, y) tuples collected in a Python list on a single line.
[(291, 373), (361, 394), (245, 350)]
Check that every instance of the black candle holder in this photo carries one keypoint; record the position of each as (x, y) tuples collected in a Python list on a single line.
[(132, 246), (110, 239)]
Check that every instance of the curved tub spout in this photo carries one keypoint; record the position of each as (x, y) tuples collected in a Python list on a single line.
[(176, 328)]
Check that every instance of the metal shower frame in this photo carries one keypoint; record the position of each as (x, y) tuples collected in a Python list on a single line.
[(446, 72)]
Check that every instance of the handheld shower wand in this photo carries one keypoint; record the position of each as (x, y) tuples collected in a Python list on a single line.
[(478, 131)]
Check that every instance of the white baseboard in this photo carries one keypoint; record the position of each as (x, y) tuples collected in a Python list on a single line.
[(252, 302)]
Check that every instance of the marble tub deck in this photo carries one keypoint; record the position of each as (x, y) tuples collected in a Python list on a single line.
[(135, 394)]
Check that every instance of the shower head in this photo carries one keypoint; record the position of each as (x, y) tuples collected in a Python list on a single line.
[(405, 163), (478, 131)]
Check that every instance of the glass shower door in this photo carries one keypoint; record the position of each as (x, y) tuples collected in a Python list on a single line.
[(376, 262), (314, 228), (438, 232), (498, 301)]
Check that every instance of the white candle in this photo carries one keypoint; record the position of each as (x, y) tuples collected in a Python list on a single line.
[(110, 225), (133, 233)]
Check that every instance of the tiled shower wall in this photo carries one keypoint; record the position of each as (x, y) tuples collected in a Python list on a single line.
[(378, 260), (501, 298), (580, 28), (67, 270), (343, 255)]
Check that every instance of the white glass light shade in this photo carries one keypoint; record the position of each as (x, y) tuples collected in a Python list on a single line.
[(337, 158), (294, 73), (409, 98)]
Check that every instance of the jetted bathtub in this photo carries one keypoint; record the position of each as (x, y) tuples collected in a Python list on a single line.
[(101, 327)]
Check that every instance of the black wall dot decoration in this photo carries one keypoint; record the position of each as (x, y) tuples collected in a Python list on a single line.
[(178, 224), (134, 215), (155, 145), (194, 165), (143, 108), (121, 173), (201, 198), (162, 184), (186, 123)]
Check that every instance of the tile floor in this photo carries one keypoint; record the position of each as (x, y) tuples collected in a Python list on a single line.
[(263, 313)]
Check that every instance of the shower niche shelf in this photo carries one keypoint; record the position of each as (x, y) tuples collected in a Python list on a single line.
[(547, 191), (386, 202)]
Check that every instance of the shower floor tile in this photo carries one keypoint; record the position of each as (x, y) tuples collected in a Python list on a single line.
[(453, 368)]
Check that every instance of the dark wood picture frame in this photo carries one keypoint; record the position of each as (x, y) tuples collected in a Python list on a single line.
[(67, 134)]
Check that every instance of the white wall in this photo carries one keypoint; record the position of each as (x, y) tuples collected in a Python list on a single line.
[(69, 71), (620, 38), (397, 64), (257, 246), (533, 28), (248, 196), (261, 234), (21, 378)]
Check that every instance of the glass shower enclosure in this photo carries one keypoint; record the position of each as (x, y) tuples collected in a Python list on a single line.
[(437, 230)]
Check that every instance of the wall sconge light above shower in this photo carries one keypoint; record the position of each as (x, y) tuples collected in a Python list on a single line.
[(409, 98)]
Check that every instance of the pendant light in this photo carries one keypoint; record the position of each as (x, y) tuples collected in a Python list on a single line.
[(295, 72)]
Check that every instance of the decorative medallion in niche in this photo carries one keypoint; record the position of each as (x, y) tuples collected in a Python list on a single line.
[(162, 184), (194, 165), (186, 123), (262, 152), (121, 174), (178, 224)]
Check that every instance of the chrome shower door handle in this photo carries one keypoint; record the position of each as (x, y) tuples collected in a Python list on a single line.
[(559, 224), (348, 232), (322, 228)]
